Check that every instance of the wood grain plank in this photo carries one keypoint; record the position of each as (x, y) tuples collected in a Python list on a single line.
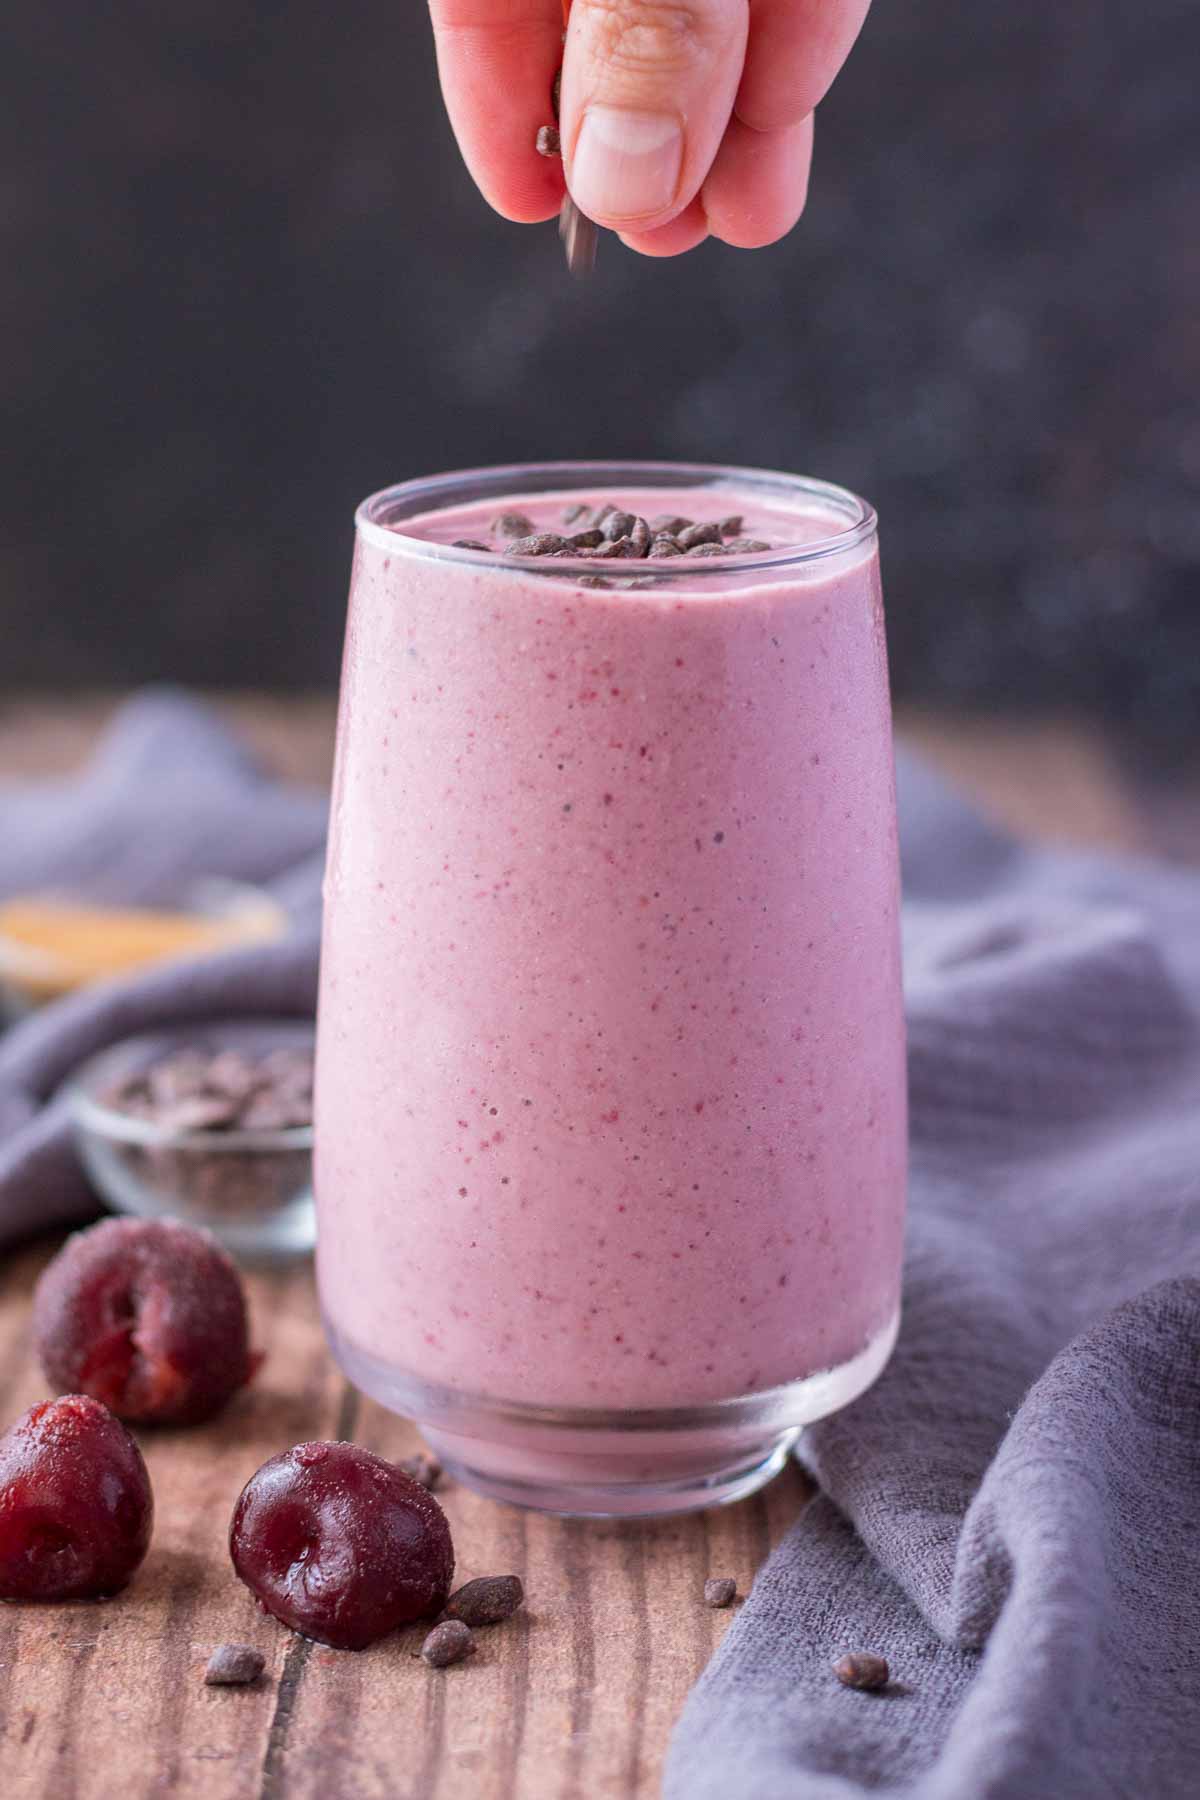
[(1051, 778), (98, 1699), (575, 1696), (45, 736)]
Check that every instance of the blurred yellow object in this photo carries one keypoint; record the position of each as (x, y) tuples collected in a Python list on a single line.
[(50, 947)]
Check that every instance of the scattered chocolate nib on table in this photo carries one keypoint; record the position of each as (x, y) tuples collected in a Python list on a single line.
[(425, 1469), (488, 1600), (448, 1643), (720, 1591), (234, 1665)]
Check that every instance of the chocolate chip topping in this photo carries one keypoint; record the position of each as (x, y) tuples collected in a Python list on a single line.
[(539, 543), (691, 535), (622, 546), (610, 532), (617, 524)]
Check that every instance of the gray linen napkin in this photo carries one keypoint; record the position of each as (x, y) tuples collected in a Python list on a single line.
[(169, 797), (1012, 1514)]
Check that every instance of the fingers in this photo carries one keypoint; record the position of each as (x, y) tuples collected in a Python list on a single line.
[(684, 232), (496, 61), (754, 194), (680, 118), (757, 187), (648, 89), (796, 48)]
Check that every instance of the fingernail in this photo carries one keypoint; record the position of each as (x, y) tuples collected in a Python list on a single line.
[(626, 164)]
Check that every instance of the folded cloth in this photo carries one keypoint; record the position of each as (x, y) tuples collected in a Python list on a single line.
[(169, 797), (1011, 1516)]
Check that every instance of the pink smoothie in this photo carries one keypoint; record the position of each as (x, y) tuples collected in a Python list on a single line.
[(611, 1099)]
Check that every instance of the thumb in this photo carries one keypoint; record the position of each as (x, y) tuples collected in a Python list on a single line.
[(648, 89)]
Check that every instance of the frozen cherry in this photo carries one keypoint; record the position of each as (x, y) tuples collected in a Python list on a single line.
[(340, 1545), (147, 1315), (75, 1503)]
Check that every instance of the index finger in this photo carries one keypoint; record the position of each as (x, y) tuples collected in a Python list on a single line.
[(496, 61), (796, 48)]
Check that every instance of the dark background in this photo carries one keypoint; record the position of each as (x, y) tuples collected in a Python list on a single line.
[(244, 280)]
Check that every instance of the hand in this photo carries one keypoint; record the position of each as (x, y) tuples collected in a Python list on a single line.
[(678, 121)]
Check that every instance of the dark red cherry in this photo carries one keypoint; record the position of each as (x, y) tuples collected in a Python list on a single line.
[(146, 1315), (75, 1503), (340, 1545)]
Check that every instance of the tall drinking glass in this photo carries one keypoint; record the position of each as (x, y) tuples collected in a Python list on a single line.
[(610, 1160)]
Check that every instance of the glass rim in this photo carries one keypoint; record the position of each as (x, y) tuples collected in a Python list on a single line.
[(377, 517)]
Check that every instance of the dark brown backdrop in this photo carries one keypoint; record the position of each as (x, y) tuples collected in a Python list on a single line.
[(243, 279)]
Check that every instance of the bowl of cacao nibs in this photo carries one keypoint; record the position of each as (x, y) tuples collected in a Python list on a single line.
[(211, 1124)]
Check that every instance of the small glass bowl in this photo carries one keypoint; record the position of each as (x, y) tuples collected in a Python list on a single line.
[(251, 1189)]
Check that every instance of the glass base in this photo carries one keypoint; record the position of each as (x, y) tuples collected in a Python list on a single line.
[(586, 1462), (578, 1497)]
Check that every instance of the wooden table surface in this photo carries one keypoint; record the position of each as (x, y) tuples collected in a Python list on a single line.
[(573, 1699)]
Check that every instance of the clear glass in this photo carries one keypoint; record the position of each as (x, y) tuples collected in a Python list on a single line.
[(251, 1189), (610, 1107)]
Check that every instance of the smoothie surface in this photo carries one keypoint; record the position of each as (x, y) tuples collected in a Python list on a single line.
[(772, 520)]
